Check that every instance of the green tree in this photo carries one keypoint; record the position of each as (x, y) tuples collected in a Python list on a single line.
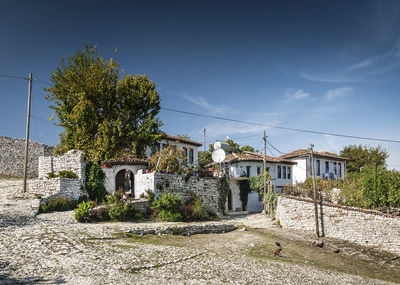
[(361, 156), (102, 114), (183, 136), (170, 158), (204, 157), (247, 148)]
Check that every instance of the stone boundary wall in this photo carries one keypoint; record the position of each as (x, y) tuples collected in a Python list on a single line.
[(186, 230), (12, 153), (364, 227), (55, 187), (73, 160), (206, 188)]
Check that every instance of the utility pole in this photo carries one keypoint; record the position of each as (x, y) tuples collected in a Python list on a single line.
[(204, 132), (314, 189), (263, 173), (28, 115)]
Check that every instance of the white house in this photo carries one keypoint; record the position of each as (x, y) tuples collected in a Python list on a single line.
[(328, 165), (189, 147), (248, 164), (121, 172)]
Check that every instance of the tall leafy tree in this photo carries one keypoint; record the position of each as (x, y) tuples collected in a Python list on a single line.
[(102, 114), (362, 156)]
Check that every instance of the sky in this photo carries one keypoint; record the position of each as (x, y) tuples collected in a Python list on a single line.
[(328, 66)]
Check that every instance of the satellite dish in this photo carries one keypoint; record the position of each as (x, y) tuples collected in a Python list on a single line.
[(218, 155), (221, 145)]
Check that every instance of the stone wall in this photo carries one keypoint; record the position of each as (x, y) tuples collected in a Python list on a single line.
[(55, 187), (364, 227), (12, 153), (73, 160), (205, 188)]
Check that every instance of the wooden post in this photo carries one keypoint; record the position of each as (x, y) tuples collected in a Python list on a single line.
[(314, 190), (263, 172), (28, 115)]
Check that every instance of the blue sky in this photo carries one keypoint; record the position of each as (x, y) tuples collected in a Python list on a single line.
[(331, 66)]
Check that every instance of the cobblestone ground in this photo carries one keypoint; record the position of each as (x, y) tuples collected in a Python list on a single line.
[(54, 249)]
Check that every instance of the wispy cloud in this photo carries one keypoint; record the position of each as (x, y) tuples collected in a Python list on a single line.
[(296, 94), (338, 92), (211, 108), (328, 78)]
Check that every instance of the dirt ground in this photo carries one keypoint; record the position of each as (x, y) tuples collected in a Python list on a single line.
[(54, 249)]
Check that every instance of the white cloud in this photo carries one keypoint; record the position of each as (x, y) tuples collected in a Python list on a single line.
[(296, 95), (330, 79), (211, 108), (338, 92)]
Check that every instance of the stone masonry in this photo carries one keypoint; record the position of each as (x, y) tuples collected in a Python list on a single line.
[(74, 161), (364, 227), (12, 152), (205, 188)]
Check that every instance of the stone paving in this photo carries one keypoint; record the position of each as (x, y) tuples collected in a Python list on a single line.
[(54, 249)]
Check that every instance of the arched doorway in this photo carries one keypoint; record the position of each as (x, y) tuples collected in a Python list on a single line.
[(125, 181)]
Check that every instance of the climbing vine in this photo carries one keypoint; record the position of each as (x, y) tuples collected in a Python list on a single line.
[(223, 190), (244, 187)]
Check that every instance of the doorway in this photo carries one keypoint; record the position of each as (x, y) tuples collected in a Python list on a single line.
[(125, 181)]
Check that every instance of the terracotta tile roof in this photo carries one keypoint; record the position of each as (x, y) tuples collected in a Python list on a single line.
[(127, 161), (182, 140), (306, 152), (252, 156)]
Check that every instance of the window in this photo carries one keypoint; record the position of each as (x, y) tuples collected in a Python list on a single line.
[(259, 198), (288, 172), (318, 168), (326, 166), (284, 172), (258, 170), (335, 168), (279, 172), (191, 156), (248, 171), (340, 170), (185, 152)]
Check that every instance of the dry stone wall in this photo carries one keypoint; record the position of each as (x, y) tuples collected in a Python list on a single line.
[(73, 160), (364, 227), (204, 188), (55, 187), (12, 152)]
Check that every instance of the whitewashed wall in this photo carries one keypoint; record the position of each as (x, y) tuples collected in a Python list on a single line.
[(111, 173)]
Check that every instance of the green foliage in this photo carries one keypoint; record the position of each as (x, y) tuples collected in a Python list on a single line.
[(62, 174), (247, 148), (121, 211), (223, 190), (83, 212), (170, 158), (373, 187), (271, 199), (94, 185), (204, 158), (183, 136), (361, 156), (257, 183), (194, 210), (170, 207), (244, 187), (150, 196), (101, 113), (57, 205)]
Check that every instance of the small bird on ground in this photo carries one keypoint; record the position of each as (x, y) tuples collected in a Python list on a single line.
[(277, 251)]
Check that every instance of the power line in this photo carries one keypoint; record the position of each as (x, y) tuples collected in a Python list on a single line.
[(13, 77), (275, 148), (280, 127)]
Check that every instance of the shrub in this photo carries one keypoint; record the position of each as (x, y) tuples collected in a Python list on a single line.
[(118, 209), (150, 196), (67, 174), (200, 212), (170, 206), (62, 174), (57, 204), (94, 185), (83, 212)]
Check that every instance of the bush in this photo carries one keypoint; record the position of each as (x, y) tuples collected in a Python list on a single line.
[(62, 174), (170, 207), (57, 204), (83, 213), (94, 185), (200, 212), (118, 209)]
